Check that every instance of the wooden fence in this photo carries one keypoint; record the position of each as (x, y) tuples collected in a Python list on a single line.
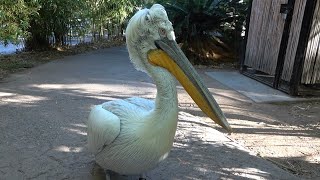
[(311, 69), (293, 41), (283, 45), (265, 32)]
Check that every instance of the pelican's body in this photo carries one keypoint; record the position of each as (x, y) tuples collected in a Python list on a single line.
[(132, 136), (147, 130)]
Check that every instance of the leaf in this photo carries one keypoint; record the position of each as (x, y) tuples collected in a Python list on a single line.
[(173, 7)]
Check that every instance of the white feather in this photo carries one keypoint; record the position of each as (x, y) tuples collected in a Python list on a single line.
[(133, 135), (145, 104), (103, 128)]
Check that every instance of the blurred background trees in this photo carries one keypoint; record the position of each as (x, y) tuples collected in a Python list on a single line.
[(14, 19), (45, 23), (206, 29)]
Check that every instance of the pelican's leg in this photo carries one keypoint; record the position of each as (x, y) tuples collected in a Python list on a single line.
[(108, 176), (97, 172), (142, 177)]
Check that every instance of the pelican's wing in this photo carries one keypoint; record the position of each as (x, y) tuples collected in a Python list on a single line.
[(142, 103), (105, 120), (103, 128)]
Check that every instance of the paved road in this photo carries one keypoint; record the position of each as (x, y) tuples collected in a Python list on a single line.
[(43, 124)]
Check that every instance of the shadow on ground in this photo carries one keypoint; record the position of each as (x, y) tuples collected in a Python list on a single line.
[(44, 130), (44, 112)]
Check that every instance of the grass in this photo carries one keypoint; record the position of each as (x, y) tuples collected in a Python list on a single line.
[(13, 65)]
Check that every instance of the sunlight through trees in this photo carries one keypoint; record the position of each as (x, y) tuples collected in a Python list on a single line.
[(206, 29)]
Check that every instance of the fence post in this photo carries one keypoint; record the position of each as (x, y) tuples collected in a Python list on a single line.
[(288, 10), (302, 47)]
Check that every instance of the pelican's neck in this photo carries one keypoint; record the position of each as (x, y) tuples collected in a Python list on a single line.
[(166, 99)]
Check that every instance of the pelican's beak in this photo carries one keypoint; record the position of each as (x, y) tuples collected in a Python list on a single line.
[(170, 56)]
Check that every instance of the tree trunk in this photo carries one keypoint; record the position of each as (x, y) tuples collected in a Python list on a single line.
[(60, 38), (38, 40)]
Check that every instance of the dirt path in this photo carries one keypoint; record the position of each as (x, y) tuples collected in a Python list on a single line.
[(43, 132), (286, 134)]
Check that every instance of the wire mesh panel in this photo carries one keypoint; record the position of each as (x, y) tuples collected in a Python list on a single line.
[(311, 69), (264, 36)]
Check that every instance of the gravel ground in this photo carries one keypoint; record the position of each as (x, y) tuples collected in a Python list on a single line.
[(44, 111)]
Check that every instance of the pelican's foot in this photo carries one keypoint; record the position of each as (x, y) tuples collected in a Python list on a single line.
[(142, 177), (108, 175), (97, 172)]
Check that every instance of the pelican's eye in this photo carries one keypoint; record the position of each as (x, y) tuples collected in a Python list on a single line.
[(162, 32)]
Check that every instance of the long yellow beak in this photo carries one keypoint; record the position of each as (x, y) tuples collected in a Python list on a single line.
[(173, 59)]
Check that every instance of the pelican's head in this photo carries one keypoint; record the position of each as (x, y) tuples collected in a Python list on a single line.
[(151, 43), (145, 28)]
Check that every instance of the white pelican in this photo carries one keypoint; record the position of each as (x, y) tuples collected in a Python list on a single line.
[(131, 136)]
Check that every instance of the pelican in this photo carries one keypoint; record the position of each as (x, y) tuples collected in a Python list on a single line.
[(131, 136)]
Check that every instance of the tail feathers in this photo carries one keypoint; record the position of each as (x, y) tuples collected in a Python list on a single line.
[(103, 128)]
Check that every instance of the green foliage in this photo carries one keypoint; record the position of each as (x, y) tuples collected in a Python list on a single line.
[(238, 11), (54, 17), (197, 17), (110, 14), (40, 21), (14, 19), (205, 27)]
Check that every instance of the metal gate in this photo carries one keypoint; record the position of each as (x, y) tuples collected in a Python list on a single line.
[(282, 45), (311, 68), (265, 34), (271, 41)]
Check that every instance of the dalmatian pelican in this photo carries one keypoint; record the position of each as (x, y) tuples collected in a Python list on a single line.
[(131, 136)]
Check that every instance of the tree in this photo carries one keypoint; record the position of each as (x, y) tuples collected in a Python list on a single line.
[(205, 27), (110, 15), (56, 18), (46, 23), (14, 19), (53, 20)]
